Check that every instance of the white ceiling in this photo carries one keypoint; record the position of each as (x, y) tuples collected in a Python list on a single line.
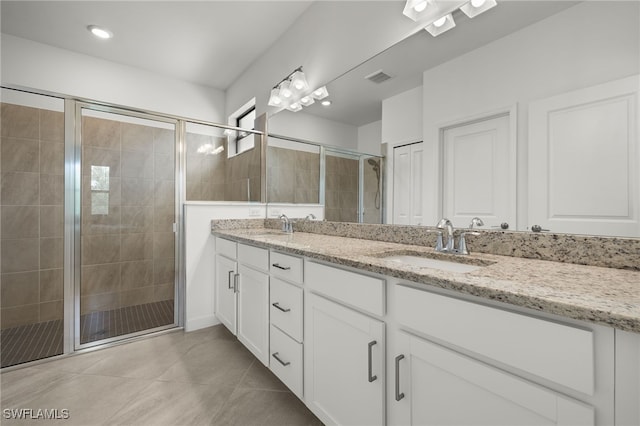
[(205, 42)]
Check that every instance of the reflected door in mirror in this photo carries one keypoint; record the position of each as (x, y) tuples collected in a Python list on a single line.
[(408, 185), (479, 173)]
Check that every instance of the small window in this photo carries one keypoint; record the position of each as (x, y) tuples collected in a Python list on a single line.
[(99, 190), (244, 118)]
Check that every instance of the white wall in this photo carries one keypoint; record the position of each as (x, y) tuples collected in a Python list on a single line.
[(312, 128), (199, 256), (370, 138), (324, 42), (402, 117), (43, 67), (587, 44)]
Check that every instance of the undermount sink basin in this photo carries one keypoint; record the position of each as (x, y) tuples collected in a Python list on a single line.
[(423, 261)]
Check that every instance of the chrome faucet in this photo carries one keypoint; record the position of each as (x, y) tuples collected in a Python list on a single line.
[(287, 226), (446, 225), (310, 216)]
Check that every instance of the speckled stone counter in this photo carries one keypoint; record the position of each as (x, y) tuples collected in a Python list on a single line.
[(590, 293)]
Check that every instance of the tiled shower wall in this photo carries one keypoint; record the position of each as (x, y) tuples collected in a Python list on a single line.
[(292, 176), (32, 197), (215, 177), (341, 189), (128, 251)]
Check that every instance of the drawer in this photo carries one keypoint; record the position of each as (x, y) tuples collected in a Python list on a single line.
[(286, 308), (255, 257), (285, 266), (226, 247), (553, 351), (360, 291), (286, 360)]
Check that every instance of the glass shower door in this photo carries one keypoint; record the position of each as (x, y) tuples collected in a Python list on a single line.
[(31, 210), (127, 223)]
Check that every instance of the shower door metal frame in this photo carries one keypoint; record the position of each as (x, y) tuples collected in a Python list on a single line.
[(76, 191)]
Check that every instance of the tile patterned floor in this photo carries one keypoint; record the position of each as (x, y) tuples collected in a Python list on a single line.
[(204, 377), (43, 340)]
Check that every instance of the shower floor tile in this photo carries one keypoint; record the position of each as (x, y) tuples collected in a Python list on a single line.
[(42, 340)]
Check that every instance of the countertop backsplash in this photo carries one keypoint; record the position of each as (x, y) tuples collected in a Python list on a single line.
[(609, 252)]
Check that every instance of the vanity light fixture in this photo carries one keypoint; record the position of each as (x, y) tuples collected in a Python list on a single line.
[(437, 15), (476, 7), (292, 92), (100, 32), (441, 25)]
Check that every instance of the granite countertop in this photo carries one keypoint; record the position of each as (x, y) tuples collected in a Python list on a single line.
[(590, 293)]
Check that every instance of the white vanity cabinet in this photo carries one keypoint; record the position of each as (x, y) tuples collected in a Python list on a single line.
[(459, 362), (286, 304), (344, 349), (438, 386), (242, 294)]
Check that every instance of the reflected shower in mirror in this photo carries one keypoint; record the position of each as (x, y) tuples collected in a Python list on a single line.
[(293, 172), (212, 174)]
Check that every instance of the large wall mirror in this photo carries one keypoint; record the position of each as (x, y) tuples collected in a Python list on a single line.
[(561, 87)]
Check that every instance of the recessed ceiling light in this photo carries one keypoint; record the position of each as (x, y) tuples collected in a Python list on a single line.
[(326, 103), (99, 32)]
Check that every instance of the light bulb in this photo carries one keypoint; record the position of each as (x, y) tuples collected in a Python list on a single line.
[(419, 7), (440, 22), (285, 90), (100, 32), (477, 3)]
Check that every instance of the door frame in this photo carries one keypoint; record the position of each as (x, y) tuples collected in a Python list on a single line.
[(73, 206), (509, 111)]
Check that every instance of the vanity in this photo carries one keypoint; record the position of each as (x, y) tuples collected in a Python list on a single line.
[(365, 335)]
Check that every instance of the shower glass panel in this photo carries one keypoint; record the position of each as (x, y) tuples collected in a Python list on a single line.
[(213, 175), (32, 227), (128, 212), (342, 186)]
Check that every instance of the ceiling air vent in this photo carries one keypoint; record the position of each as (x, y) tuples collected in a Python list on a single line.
[(378, 77)]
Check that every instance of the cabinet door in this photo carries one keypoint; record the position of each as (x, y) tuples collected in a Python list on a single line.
[(438, 386), (344, 359), (225, 295), (253, 312)]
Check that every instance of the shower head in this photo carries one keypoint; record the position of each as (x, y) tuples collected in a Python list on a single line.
[(373, 162)]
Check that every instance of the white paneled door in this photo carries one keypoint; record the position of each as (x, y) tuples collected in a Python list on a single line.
[(584, 159), (479, 173), (408, 184)]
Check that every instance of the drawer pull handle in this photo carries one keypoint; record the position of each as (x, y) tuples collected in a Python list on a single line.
[(277, 306), (284, 268), (230, 285), (370, 362), (399, 395), (275, 355)]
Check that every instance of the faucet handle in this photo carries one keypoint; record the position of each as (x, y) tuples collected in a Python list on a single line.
[(439, 246)]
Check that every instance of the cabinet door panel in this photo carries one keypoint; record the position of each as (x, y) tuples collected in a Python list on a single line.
[(337, 369), (225, 303), (253, 312), (440, 382)]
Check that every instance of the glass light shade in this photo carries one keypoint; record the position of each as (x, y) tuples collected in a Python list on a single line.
[(307, 100), (294, 106), (299, 82), (275, 99), (320, 93), (415, 9), (285, 90), (476, 7), (442, 26)]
